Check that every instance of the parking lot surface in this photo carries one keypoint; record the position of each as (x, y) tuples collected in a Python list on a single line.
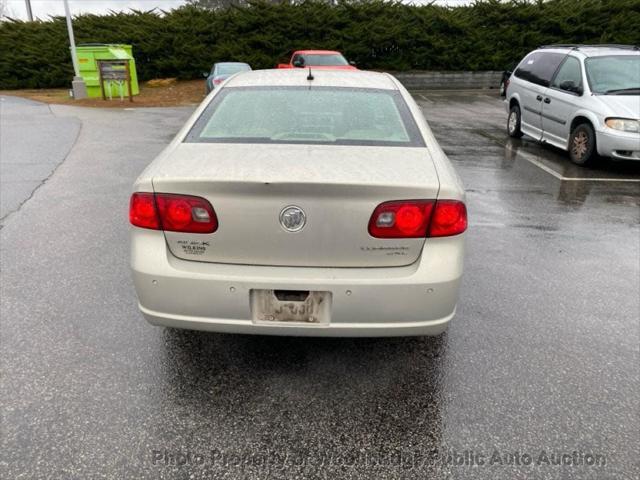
[(540, 364), (33, 142)]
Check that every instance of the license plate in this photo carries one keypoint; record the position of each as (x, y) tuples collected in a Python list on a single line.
[(290, 306)]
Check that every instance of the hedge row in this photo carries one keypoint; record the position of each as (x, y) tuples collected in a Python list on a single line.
[(487, 35)]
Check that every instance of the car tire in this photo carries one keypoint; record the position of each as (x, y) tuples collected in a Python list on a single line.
[(582, 145), (513, 122)]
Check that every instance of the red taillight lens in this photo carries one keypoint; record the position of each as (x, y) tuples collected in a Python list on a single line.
[(184, 213), (418, 218), (401, 219), (217, 81), (449, 218), (142, 211), (172, 212)]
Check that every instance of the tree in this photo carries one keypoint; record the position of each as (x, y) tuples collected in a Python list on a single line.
[(216, 4), (224, 4)]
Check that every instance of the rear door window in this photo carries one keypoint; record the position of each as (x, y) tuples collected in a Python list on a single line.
[(539, 67)]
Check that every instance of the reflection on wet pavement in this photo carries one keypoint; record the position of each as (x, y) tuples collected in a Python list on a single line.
[(470, 128)]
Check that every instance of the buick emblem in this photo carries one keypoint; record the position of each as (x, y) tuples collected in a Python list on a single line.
[(292, 218)]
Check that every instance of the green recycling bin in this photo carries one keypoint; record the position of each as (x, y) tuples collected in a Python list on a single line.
[(89, 54)]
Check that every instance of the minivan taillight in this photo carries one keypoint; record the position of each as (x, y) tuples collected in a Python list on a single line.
[(418, 219), (172, 212)]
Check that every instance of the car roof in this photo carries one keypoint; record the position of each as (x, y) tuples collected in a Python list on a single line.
[(231, 63), (318, 52), (297, 77), (599, 52), (594, 50)]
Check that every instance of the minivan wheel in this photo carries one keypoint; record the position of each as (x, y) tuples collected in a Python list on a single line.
[(513, 123), (582, 144)]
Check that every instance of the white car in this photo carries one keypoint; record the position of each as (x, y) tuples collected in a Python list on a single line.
[(580, 98), (301, 203)]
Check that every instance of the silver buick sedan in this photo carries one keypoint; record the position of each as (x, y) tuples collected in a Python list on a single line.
[(298, 202)]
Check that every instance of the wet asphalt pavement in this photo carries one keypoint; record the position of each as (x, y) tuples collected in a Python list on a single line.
[(33, 142), (542, 359)]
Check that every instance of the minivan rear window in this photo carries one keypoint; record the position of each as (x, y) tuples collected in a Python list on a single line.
[(539, 67)]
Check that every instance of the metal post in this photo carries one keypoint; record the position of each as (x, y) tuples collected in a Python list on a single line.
[(72, 40), (78, 85), (29, 12)]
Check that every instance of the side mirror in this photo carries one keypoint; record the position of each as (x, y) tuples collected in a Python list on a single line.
[(298, 63), (570, 86)]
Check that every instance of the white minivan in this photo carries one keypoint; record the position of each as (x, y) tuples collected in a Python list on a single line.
[(580, 98)]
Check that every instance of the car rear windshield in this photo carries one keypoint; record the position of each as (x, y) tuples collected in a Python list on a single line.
[(327, 60), (316, 115), (230, 69), (614, 75)]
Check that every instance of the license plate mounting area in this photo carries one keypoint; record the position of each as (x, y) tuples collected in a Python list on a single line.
[(302, 307)]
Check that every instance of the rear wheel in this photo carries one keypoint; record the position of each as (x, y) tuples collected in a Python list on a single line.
[(513, 123), (582, 145)]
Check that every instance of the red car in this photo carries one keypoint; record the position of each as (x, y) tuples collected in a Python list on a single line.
[(325, 59)]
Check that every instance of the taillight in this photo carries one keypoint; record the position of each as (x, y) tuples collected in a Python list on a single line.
[(172, 212), (142, 211), (401, 219), (418, 218), (217, 81), (449, 218)]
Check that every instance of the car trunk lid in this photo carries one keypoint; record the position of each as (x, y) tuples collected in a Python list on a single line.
[(337, 188)]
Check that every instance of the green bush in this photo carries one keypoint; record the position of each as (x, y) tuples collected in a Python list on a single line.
[(183, 43)]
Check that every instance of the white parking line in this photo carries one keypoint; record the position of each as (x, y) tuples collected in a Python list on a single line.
[(531, 159), (425, 98)]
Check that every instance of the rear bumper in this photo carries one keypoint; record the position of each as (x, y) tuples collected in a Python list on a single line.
[(419, 299), (618, 145), (388, 329)]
